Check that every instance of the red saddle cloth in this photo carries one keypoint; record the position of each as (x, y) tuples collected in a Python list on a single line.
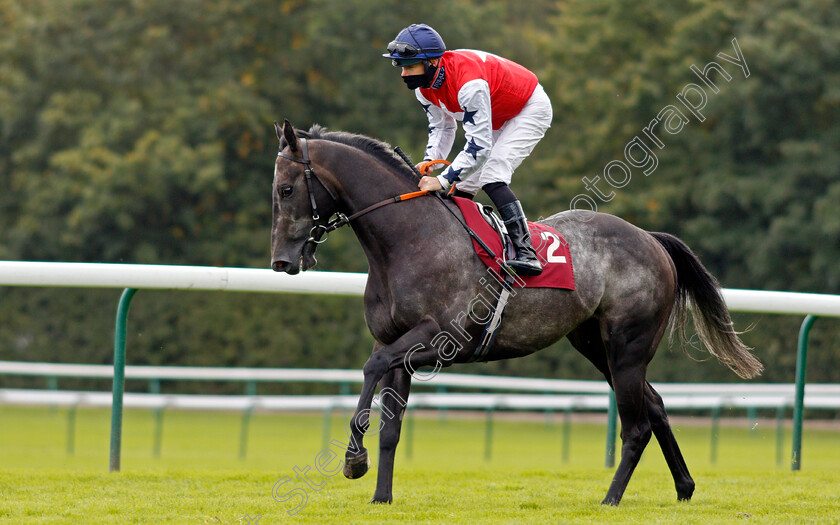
[(552, 250)]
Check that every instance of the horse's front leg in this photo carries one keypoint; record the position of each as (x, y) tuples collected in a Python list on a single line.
[(387, 358), (393, 397)]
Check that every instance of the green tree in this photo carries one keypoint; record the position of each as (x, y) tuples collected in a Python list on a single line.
[(140, 132)]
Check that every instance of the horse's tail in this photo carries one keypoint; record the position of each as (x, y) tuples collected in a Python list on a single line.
[(708, 310)]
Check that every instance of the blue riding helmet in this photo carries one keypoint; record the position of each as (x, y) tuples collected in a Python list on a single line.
[(415, 43)]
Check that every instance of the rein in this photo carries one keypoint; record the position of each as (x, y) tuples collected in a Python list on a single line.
[(341, 219), (318, 232)]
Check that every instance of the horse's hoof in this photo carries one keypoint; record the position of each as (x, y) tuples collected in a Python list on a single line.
[(356, 467), (377, 499), (611, 501), (685, 493)]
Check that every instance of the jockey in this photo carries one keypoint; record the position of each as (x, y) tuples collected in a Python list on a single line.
[(504, 111)]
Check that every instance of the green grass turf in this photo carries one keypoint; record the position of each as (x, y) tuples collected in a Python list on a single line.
[(199, 477)]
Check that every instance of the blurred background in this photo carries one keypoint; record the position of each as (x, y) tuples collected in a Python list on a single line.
[(141, 132)]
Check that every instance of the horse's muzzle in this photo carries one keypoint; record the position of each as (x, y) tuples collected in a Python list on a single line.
[(284, 266), (293, 265)]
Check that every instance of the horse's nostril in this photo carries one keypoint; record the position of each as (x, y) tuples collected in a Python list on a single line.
[(279, 266)]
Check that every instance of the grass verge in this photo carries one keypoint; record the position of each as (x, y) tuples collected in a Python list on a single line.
[(200, 478)]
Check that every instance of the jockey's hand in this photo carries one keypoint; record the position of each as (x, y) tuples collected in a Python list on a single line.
[(427, 166), (429, 184)]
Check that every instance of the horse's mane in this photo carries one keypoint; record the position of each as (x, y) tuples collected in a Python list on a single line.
[(378, 149)]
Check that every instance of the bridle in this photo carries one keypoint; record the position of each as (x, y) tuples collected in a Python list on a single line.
[(308, 174), (318, 233)]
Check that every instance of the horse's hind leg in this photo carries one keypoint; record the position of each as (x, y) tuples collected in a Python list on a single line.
[(628, 381), (668, 443), (393, 396), (630, 336), (587, 340), (624, 365), (625, 372)]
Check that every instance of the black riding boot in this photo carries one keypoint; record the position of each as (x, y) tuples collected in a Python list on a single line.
[(525, 262)]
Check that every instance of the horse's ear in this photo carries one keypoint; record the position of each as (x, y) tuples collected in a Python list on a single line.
[(288, 134), (279, 131)]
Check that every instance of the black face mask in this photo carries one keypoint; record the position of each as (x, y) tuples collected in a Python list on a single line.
[(423, 80), (413, 82)]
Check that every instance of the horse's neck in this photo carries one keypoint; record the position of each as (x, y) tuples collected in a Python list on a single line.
[(392, 232)]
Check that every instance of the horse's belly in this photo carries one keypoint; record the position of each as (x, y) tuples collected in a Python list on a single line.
[(537, 319)]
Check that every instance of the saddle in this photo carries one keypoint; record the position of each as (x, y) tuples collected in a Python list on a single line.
[(495, 247), (497, 224), (551, 248)]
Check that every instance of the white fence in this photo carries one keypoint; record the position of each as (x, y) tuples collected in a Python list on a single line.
[(159, 277), (553, 394), (141, 276), (733, 394)]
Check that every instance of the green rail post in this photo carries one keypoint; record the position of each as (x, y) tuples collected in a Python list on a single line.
[(243, 432), (799, 401), (752, 416), (567, 433), (119, 378), (442, 410), (325, 439), (157, 438), (488, 435), (713, 446), (409, 427), (71, 430), (250, 390), (780, 433), (52, 384), (612, 424), (157, 442)]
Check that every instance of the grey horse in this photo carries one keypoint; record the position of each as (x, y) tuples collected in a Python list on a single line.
[(424, 279)]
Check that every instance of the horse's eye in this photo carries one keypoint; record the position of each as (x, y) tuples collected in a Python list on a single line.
[(286, 191)]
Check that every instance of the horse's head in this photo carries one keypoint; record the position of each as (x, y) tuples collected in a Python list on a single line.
[(302, 203)]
